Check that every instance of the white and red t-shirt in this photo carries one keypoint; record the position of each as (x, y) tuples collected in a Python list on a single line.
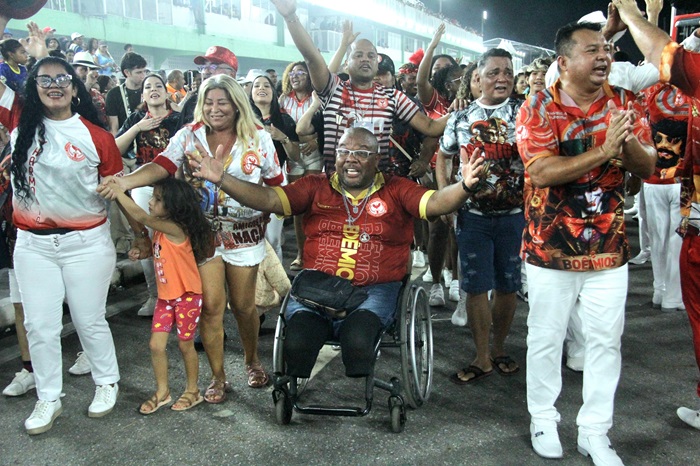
[(239, 226), (63, 178), (346, 106), (295, 107)]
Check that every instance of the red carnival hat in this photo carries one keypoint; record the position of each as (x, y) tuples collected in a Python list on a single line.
[(218, 55)]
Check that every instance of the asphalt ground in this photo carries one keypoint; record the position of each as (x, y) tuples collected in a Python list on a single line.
[(486, 423)]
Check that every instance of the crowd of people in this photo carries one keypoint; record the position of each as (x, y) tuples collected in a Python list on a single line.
[(472, 170)]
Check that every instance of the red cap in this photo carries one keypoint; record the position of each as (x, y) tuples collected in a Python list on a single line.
[(218, 55), (48, 29)]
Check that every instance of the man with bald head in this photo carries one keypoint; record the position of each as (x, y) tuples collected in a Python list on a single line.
[(358, 225), (358, 102)]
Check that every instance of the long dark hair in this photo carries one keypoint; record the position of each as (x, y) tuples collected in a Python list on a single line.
[(31, 121), (275, 110), (143, 106), (440, 79), (181, 202)]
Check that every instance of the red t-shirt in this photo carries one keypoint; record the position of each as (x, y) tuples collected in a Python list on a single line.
[(373, 249), (577, 226)]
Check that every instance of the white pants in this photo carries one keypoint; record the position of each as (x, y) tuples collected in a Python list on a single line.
[(274, 234), (663, 210), (78, 266), (141, 197), (600, 298), (644, 239)]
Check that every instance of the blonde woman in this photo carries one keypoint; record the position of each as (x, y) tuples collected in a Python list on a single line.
[(224, 127)]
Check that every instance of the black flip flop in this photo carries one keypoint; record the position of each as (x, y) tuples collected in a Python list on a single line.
[(478, 375), (507, 361)]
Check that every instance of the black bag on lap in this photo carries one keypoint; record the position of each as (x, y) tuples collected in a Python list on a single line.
[(336, 296)]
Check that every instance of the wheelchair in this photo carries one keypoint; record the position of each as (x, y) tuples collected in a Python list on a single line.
[(411, 332)]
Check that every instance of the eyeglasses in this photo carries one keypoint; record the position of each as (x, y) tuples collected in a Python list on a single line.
[(62, 80), (456, 80), (297, 73), (212, 68), (359, 154)]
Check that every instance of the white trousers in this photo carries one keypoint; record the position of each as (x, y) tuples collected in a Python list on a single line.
[(274, 234), (644, 239), (141, 197), (663, 215), (78, 266), (600, 298)]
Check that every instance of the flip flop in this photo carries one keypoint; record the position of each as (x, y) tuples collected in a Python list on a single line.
[(188, 400), (506, 361), (478, 375), (154, 404)]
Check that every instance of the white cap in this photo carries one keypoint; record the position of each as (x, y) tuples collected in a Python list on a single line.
[(599, 18), (252, 75), (75, 35)]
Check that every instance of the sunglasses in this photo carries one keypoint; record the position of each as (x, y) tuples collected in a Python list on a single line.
[(359, 154), (62, 80), (213, 68)]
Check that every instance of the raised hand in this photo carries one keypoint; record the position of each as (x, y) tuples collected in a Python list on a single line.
[(348, 35), (35, 43), (472, 167), (285, 7), (204, 166), (437, 37)]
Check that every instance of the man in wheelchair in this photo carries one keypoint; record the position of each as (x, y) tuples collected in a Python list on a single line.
[(358, 225)]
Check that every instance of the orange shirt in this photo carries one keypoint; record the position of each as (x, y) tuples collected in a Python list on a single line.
[(175, 95), (176, 269)]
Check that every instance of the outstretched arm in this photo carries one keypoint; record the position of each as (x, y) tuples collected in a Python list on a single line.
[(650, 40), (425, 89), (318, 70), (348, 38)]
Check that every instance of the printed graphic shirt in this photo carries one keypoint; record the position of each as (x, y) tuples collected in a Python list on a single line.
[(237, 226), (14, 81), (175, 267), (374, 248), (492, 129), (151, 143), (577, 226), (345, 106), (63, 177)]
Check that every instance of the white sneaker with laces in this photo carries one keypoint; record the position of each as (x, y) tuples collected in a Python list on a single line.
[(148, 307), (454, 291), (437, 295), (545, 440), (418, 258), (599, 449), (43, 416), (81, 365), (447, 276), (21, 384), (427, 276), (690, 417), (104, 400), (640, 258), (459, 316)]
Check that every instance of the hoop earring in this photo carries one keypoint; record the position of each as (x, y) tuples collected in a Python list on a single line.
[(73, 101)]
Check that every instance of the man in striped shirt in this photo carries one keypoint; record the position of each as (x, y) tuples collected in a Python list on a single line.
[(358, 102)]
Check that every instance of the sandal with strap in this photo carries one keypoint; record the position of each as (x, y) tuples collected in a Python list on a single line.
[(216, 391), (257, 377), (153, 404), (296, 265), (187, 400)]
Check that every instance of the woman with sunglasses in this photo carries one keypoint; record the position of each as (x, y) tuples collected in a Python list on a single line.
[(63, 247), (296, 100)]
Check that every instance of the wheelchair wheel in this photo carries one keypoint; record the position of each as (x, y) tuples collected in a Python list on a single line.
[(416, 334), (278, 368), (283, 407), (397, 410)]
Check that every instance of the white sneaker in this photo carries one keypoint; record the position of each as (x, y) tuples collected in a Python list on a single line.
[(599, 449), (522, 295), (81, 366), (459, 316), (427, 276), (545, 440), (575, 363), (640, 258), (43, 416), (437, 295), (418, 258), (634, 210), (105, 398), (21, 384), (690, 417), (447, 276), (454, 291), (148, 307)]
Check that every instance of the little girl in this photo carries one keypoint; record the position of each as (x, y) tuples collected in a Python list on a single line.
[(182, 238)]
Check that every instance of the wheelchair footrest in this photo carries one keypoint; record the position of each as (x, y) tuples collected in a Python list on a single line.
[(333, 411)]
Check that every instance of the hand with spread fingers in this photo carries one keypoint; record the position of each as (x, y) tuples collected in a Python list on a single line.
[(472, 168), (206, 167)]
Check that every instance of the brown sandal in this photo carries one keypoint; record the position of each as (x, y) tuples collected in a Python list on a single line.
[(187, 400), (216, 391), (257, 377), (154, 404)]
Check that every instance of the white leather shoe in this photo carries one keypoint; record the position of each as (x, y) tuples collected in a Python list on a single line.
[(545, 440), (43, 416), (104, 400), (418, 258), (575, 363), (21, 384), (690, 417), (640, 258), (599, 449)]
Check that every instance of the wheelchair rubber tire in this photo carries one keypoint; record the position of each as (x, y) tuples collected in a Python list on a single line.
[(397, 411), (416, 347), (283, 409)]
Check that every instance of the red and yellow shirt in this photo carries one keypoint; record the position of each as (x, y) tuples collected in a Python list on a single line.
[(578, 226)]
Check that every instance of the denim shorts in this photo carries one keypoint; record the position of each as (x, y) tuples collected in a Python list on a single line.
[(489, 251), (382, 300)]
